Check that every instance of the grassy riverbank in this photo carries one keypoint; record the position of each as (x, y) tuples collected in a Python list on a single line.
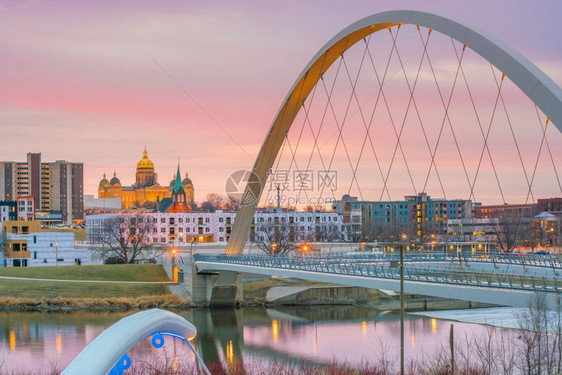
[(28, 289)]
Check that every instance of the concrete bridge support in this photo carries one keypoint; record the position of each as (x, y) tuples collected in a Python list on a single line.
[(224, 289)]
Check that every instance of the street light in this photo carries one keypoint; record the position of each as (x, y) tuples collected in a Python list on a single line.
[(173, 256), (402, 308)]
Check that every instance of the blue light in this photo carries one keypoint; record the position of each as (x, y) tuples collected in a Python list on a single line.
[(164, 333), (157, 340), (123, 364)]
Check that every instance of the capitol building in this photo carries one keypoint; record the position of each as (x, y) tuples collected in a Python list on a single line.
[(146, 192)]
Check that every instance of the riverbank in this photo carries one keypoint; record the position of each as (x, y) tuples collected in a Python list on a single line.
[(143, 286), (168, 301)]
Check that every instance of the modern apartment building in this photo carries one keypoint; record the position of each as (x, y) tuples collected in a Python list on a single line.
[(7, 210), (27, 245), (416, 213), (57, 186), (26, 208)]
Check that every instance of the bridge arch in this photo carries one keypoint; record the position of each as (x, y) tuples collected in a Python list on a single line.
[(542, 90)]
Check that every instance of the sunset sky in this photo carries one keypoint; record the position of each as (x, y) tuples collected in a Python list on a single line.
[(83, 81)]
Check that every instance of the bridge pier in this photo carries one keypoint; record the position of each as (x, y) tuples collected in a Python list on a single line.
[(224, 289)]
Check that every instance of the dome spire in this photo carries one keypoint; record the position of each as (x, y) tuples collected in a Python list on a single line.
[(145, 154)]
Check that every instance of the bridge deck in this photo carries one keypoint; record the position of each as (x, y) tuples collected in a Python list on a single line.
[(499, 280)]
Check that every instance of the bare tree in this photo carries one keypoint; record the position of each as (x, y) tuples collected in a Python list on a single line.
[(315, 208), (5, 244), (277, 239), (214, 201), (509, 232), (126, 239)]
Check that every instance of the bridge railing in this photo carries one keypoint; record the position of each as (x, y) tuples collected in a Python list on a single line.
[(416, 268)]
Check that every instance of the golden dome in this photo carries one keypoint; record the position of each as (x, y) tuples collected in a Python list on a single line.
[(186, 180), (115, 181), (104, 182), (145, 163)]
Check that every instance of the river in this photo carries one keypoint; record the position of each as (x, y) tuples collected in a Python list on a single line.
[(38, 342)]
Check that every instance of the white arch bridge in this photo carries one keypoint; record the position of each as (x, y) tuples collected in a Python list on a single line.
[(367, 133), (502, 280)]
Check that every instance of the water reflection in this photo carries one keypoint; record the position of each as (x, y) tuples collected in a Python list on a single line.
[(38, 341)]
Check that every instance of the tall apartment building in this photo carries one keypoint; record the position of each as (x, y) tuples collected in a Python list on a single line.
[(57, 186)]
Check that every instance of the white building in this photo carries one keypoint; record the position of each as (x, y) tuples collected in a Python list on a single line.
[(26, 208), (104, 203), (183, 228), (7, 210), (474, 230), (44, 249)]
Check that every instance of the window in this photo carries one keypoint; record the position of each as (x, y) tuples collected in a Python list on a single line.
[(162, 230), (172, 221), (162, 239), (163, 220)]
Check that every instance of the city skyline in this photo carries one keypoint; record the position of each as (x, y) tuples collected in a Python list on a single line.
[(96, 82)]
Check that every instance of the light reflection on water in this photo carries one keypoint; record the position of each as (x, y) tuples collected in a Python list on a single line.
[(36, 342)]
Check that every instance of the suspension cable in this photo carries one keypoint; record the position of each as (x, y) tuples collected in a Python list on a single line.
[(399, 134), (484, 136), (446, 106), (514, 138), (547, 122), (485, 146)]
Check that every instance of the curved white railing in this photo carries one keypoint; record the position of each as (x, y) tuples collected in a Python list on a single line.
[(107, 352)]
